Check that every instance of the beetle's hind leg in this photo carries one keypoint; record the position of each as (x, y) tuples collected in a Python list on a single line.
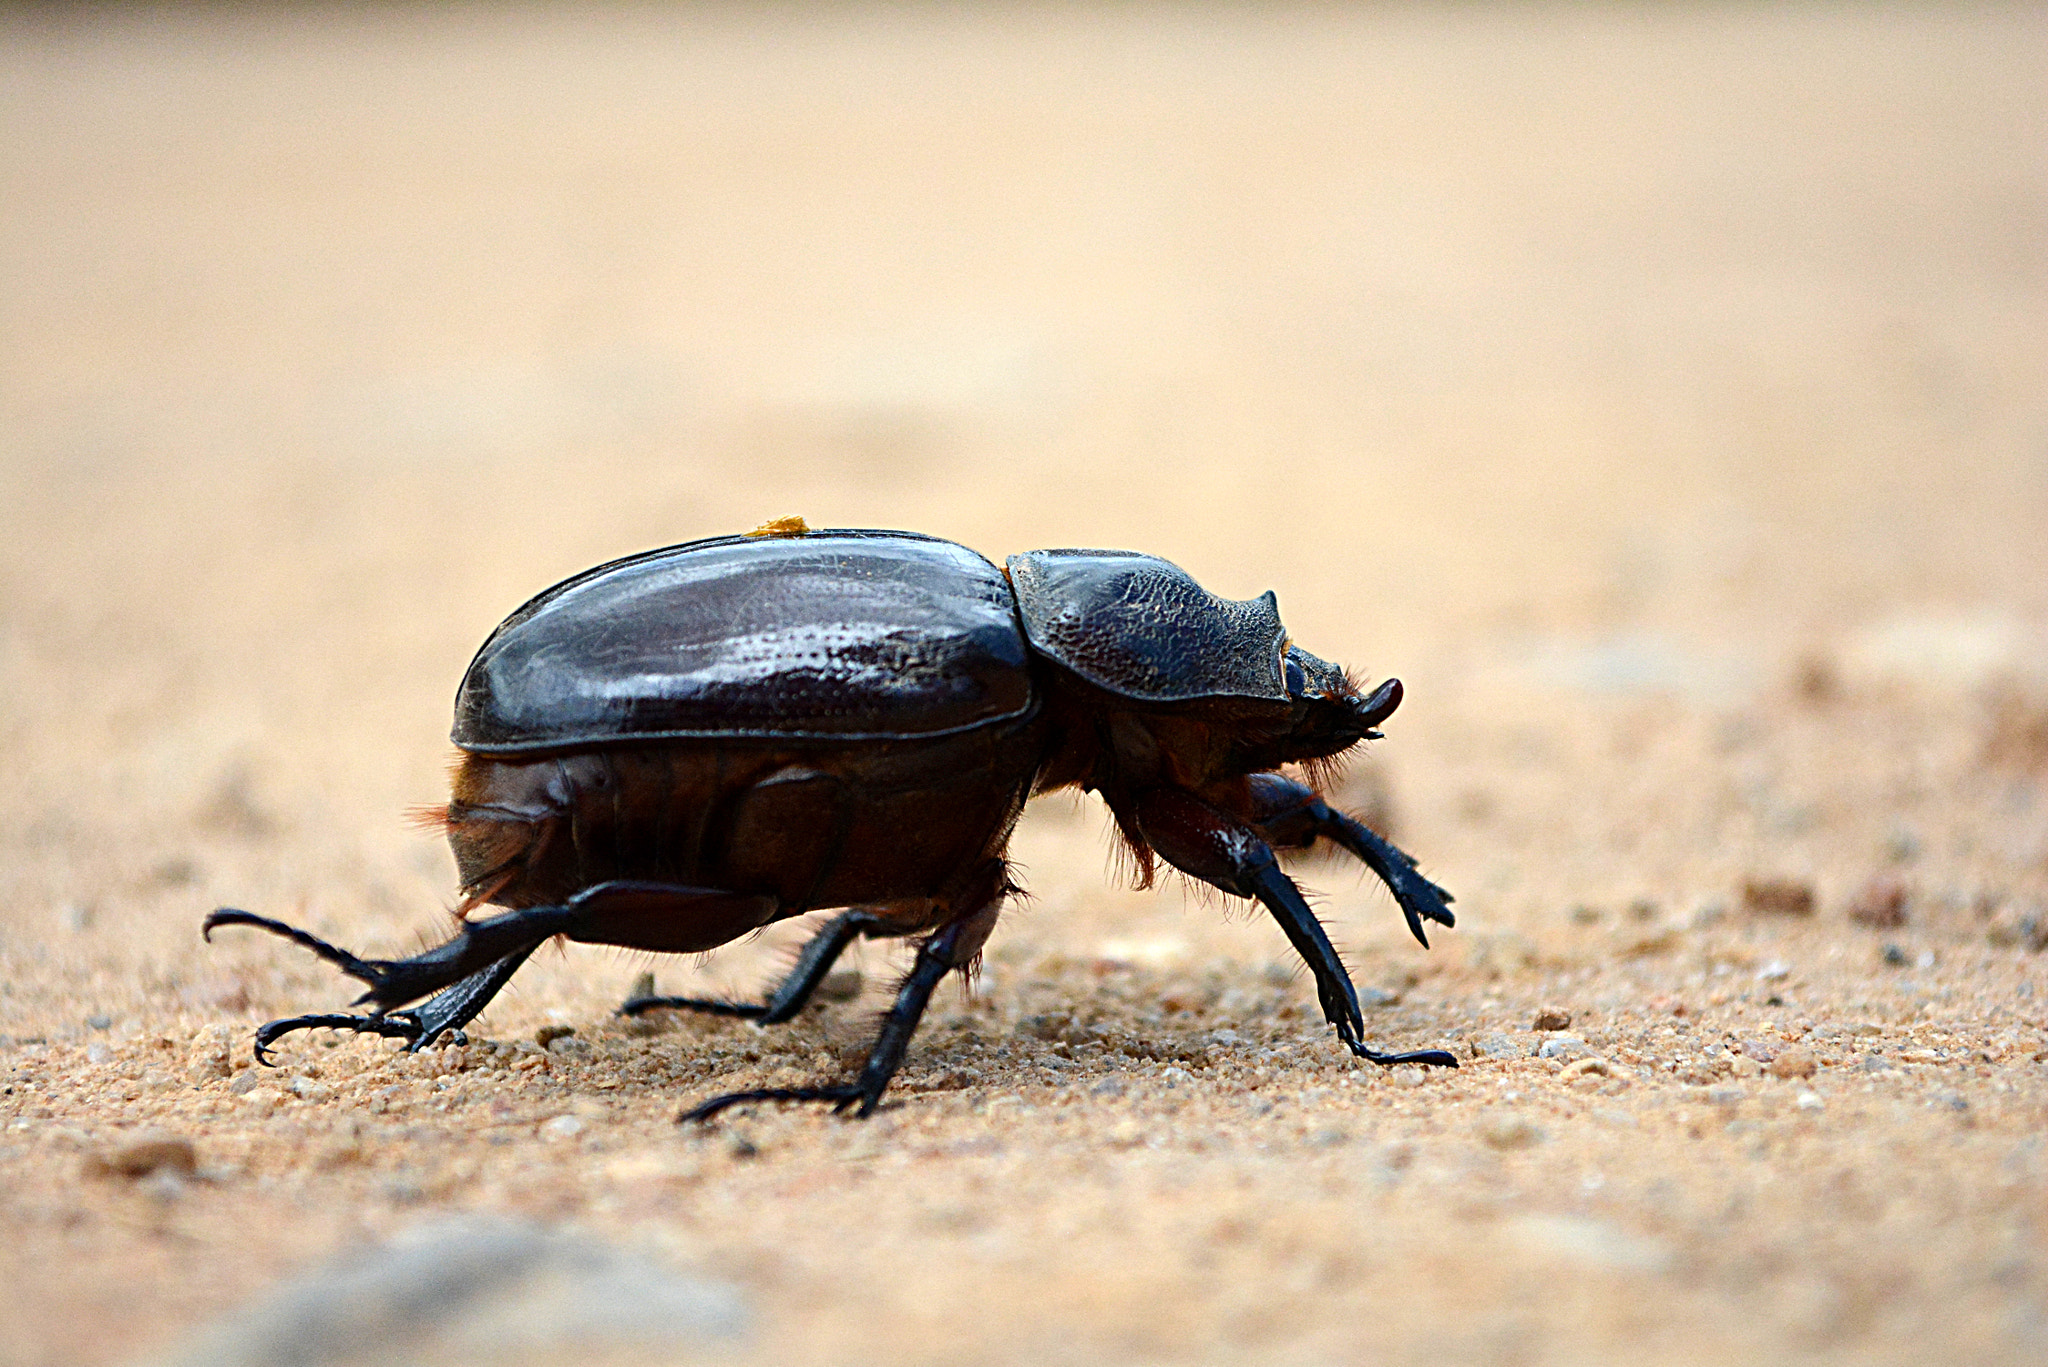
[(1290, 816), (462, 974), (445, 1013), (794, 992), (474, 950)]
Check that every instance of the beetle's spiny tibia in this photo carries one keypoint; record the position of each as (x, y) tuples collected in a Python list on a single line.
[(361, 969)]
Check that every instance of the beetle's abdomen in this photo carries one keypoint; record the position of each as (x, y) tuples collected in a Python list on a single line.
[(834, 635), (814, 826)]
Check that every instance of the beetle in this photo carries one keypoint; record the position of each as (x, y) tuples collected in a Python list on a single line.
[(674, 749)]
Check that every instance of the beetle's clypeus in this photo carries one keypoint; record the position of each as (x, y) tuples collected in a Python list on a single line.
[(671, 750)]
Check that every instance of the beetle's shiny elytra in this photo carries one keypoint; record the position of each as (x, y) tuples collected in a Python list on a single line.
[(671, 750)]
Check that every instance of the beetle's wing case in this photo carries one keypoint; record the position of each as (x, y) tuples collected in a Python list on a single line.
[(1143, 628), (835, 635)]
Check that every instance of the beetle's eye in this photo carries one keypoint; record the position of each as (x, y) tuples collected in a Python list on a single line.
[(1297, 681)]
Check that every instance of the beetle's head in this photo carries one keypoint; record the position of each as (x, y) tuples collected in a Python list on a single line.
[(1330, 714)]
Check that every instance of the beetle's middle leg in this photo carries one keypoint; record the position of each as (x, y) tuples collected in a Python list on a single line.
[(794, 992), (1206, 844), (1290, 815), (953, 946)]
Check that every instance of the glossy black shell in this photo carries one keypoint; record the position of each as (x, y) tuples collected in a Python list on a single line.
[(833, 635), (1142, 628)]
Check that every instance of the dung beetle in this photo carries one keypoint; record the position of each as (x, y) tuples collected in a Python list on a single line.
[(674, 749)]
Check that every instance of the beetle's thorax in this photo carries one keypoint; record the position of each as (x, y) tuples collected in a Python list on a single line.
[(1103, 743)]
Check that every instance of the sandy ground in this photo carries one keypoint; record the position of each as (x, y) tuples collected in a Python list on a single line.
[(1661, 392)]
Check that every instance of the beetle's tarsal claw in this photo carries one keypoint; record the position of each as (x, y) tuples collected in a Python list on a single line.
[(842, 1097), (1428, 1058), (390, 1027), (640, 1006)]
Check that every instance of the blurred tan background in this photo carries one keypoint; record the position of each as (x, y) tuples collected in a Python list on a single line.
[(1660, 391)]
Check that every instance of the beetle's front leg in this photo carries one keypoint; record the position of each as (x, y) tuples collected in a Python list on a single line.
[(1292, 816), (1206, 844)]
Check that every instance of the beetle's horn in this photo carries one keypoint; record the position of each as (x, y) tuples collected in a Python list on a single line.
[(1378, 705)]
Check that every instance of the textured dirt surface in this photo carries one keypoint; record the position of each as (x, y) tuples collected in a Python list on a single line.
[(1661, 393)]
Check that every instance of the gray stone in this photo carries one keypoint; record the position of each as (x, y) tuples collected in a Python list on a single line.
[(1565, 1239), (1498, 1046), (1566, 1047), (455, 1289)]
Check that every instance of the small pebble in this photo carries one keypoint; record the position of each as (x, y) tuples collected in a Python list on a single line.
[(1566, 1047), (1507, 1130), (1585, 1067), (1881, 904), (561, 1127), (1778, 896), (1793, 1062), (2016, 927), (1773, 971), (1810, 1101), (548, 1034), (1551, 1018), (149, 1152)]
